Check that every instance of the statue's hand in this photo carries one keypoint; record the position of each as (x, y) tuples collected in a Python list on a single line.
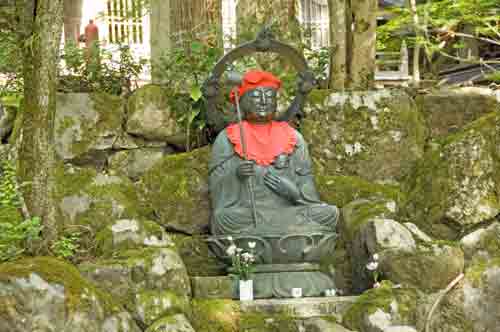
[(282, 186), (246, 169)]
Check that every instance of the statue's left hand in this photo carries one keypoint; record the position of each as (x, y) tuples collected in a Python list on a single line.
[(282, 186)]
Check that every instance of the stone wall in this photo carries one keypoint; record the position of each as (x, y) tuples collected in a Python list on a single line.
[(416, 178)]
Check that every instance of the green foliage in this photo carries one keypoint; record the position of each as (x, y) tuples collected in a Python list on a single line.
[(66, 246), (183, 69), (10, 63), (13, 237), (495, 76), (441, 21), (15, 233), (8, 187), (96, 69)]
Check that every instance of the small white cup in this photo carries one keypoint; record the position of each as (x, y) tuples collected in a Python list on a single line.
[(297, 292)]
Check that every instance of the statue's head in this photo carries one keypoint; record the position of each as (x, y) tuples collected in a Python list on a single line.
[(258, 96)]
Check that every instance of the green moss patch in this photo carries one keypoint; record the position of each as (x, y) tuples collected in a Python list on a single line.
[(381, 298), (341, 190), (78, 291), (176, 189), (216, 315), (196, 256)]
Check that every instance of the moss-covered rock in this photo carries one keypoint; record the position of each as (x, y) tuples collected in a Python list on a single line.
[(46, 294), (149, 114), (219, 287), (382, 307), (86, 125), (153, 305), (440, 263), (456, 185), (376, 135), (7, 117), (448, 110), (354, 216), (216, 315), (174, 323), (126, 234), (374, 237), (134, 163), (150, 281), (251, 322), (197, 257), (322, 324), (472, 306), (95, 200), (132, 271), (482, 244), (176, 189)]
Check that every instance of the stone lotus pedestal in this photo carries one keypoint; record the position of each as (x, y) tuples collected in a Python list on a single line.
[(284, 262)]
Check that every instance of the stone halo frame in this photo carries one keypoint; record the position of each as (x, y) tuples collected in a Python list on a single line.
[(263, 43)]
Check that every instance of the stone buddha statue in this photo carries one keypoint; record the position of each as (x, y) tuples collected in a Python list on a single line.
[(262, 190)]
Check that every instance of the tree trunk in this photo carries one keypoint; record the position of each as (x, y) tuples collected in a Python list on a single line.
[(416, 50), (364, 25), (338, 41), (194, 18), (72, 20), (176, 22), (353, 26), (160, 36), (41, 24), (252, 16)]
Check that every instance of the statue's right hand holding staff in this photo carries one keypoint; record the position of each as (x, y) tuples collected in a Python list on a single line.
[(246, 169)]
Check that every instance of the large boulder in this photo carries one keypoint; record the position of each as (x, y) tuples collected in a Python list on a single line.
[(87, 125), (376, 135), (440, 263), (376, 236), (382, 309), (125, 234), (447, 110), (349, 262), (153, 282), (174, 323), (472, 306), (94, 200), (135, 162), (48, 295), (149, 114), (456, 186), (176, 188), (482, 244)]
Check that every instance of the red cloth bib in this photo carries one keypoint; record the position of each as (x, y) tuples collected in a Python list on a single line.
[(264, 142)]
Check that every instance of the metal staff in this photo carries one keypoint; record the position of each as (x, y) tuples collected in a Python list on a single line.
[(245, 155)]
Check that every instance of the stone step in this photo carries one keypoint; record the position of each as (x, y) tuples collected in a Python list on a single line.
[(309, 307)]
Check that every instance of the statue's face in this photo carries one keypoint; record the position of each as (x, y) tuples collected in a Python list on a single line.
[(259, 104)]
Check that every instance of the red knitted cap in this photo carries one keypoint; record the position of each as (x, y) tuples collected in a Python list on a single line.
[(254, 79)]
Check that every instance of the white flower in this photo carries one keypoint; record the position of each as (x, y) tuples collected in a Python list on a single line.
[(376, 285), (251, 245), (375, 257), (238, 250), (230, 238), (247, 257), (231, 250), (372, 266)]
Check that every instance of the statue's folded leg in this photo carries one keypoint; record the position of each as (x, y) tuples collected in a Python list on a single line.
[(322, 214), (231, 221)]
